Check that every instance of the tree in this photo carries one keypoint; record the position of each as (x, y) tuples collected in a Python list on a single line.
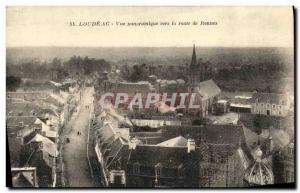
[(136, 74), (257, 122), (197, 122), (12, 83)]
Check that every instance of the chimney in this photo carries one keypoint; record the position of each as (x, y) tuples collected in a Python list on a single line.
[(111, 177), (271, 144), (117, 135), (38, 129), (191, 146), (132, 143)]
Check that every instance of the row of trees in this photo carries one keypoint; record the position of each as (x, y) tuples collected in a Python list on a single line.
[(57, 69), (140, 72), (12, 83)]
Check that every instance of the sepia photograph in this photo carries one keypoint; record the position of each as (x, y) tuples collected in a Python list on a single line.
[(150, 97)]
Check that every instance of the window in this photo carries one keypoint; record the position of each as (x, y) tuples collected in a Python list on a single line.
[(136, 168), (262, 104), (273, 106), (21, 124), (268, 105), (279, 106), (291, 150), (158, 171), (180, 171), (291, 177), (158, 168), (203, 174), (279, 112), (19, 133)]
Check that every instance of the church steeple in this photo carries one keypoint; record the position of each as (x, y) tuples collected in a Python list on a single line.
[(194, 73), (194, 58)]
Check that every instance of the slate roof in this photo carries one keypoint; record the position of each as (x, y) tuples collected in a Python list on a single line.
[(267, 121), (228, 134), (22, 109), (114, 152), (110, 143), (13, 121), (44, 111), (129, 87), (105, 132), (48, 146), (43, 169), (15, 148), (272, 98), (168, 157)]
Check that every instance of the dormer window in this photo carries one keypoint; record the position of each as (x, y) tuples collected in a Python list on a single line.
[(19, 133), (291, 149), (136, 168), (180, 171), (158, 168), (21, 124)]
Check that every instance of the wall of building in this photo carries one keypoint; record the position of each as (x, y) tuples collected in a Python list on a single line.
[(269, 109)]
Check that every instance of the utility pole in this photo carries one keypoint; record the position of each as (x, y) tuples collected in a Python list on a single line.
[(227, 168)]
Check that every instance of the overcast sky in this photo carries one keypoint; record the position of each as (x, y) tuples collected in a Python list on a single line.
[(237, 26)]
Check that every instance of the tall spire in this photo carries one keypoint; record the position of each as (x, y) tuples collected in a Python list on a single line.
[(194, 71), (194, 58)]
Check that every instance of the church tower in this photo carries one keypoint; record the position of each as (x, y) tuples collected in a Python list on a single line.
[(194, 71)]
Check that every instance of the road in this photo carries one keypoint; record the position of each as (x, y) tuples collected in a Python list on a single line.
[(76, 166)]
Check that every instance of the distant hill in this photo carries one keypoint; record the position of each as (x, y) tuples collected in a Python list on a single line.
[(155, 55)]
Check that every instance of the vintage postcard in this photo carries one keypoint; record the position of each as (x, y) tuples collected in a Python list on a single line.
[(150, 97)]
